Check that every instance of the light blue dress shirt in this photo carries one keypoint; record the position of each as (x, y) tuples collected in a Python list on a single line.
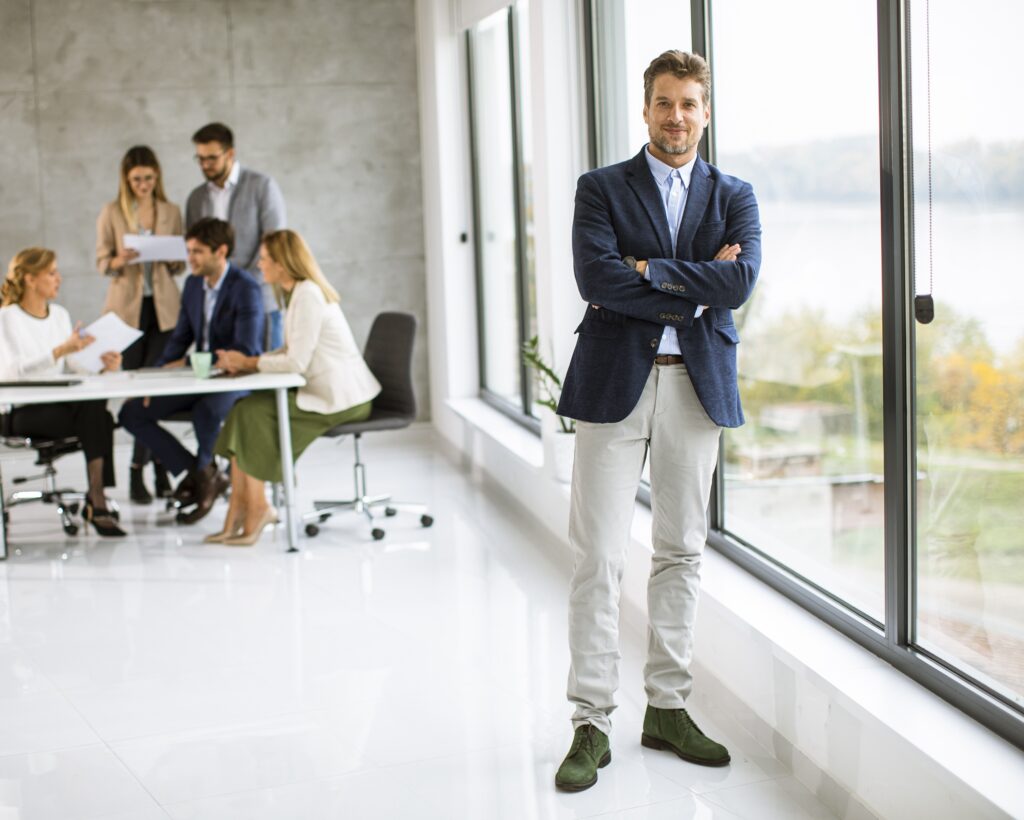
[(673, 184), (210, 297)]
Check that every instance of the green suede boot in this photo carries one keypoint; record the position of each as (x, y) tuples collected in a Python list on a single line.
[(675, 731), (588, 753)]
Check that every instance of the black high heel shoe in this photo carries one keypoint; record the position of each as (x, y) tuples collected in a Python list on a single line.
[(103, 520)]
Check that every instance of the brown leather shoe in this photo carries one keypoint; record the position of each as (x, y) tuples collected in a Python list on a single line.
[(208, 485)]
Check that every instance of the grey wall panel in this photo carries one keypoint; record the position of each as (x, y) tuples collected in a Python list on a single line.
[(321, 94), (15, 46)]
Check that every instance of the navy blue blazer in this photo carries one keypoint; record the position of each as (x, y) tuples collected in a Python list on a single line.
[(619, 213), (237, 322)]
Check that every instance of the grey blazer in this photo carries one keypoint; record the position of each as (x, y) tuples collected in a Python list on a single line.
[(256, 207)]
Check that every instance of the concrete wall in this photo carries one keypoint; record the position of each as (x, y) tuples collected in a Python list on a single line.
[(321, 94)]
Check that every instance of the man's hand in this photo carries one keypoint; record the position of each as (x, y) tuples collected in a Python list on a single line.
[(111, 361), (727, 253), (641, 266), (174, 364)]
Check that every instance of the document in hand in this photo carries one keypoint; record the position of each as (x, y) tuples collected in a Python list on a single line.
[(111, 334), (157, 248)]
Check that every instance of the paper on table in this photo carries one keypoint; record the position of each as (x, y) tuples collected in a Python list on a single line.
[(111, 334), (156, 248)]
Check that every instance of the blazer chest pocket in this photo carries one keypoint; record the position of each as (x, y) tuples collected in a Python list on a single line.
[(600, 322)]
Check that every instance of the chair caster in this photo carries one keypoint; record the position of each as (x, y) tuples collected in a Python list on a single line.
[(377, 533), (71, 529), (426, 520), (73, 508), (312, 530), (390, 511), (324, 517)]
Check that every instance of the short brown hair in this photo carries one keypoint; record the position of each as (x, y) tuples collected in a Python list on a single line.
[(682, 65), (215, 132), (213, 233)]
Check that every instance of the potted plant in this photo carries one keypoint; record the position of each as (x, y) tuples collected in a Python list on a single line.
[(549, 387)]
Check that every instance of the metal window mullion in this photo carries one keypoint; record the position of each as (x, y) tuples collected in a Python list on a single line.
[(481, 338), (897, 329), (518, 192)]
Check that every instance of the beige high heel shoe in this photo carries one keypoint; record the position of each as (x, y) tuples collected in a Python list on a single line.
[(230, 531), (269, 517)]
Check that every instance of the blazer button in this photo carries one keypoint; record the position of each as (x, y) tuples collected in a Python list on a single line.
[(654, 342), (666, 286)]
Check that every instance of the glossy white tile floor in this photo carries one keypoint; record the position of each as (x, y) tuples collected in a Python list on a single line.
[(422, 676)]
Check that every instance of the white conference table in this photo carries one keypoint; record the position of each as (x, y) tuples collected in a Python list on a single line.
[(132, 384)]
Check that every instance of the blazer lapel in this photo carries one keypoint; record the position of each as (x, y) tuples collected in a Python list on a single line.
[(696, 204), (639, 178)]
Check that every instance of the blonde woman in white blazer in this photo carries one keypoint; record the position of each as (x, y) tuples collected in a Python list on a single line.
[(318, 345)]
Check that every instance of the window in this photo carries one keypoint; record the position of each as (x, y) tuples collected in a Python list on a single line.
[(968, 202), (502, 155), (879, 477), (803, 478)]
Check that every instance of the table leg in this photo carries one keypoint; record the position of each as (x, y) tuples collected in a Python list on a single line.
[(287, 472)]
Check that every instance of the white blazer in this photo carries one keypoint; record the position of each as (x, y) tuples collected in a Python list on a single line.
[(319, 346)]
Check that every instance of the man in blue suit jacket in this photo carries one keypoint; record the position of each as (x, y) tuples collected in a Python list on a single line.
[(665, 247), (221, 309)]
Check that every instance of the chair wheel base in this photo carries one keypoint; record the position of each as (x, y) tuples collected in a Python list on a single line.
[(390, 511), (312, 530), (426, 520), (377, 533), (71, 529)]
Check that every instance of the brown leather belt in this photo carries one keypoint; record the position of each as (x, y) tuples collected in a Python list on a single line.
[(668, 359)]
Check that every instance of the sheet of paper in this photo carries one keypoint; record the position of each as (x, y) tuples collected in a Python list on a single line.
[(157, 248), (111, 333)]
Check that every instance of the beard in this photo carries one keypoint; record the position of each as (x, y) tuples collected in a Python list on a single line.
[(663, 144)]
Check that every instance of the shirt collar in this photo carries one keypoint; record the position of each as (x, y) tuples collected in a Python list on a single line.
[(661, 171), (223, 276)]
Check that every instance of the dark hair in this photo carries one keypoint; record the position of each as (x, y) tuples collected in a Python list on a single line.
[(215, 132), (213, 233), (680, 64)]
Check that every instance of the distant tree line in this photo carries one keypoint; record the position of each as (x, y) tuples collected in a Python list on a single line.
[(846, 170)]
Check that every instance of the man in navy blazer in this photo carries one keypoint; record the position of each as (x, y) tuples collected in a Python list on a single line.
[(665, 247), (221, 309)]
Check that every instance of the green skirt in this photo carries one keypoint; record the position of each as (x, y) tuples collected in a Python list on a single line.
[(250, 434)]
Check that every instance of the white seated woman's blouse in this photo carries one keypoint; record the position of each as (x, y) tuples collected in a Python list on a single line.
[(27, 343)]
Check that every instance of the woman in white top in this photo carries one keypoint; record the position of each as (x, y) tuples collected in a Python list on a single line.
[(35, 339), (318, 345)]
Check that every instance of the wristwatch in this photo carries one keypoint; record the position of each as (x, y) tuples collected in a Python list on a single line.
[(630, 260)]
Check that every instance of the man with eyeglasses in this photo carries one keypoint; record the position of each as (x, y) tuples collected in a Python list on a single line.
[(250, 201)]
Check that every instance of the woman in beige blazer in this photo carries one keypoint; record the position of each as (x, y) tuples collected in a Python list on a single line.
[(144, 295), (318, 345)]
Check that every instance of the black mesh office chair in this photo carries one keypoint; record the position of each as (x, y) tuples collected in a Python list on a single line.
[(48, 450), (388, 354)]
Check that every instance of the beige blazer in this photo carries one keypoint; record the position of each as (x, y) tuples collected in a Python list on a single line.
[(124, 295), (319, 346)]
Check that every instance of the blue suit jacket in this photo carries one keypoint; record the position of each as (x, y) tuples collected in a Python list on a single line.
[(619, 212), (237, 322)]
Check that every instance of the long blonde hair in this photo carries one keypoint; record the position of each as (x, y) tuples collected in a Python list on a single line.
[(290, 251), (29, 262), (138, 156)]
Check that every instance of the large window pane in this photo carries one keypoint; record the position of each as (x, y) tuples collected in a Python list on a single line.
[(968, 215), (494, 172), (803, 477), (629, 34)]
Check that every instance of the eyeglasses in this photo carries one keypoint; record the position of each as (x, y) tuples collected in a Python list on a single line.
[(209, 159)]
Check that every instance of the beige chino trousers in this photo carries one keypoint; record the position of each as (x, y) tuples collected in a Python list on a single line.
[(670, 425)]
